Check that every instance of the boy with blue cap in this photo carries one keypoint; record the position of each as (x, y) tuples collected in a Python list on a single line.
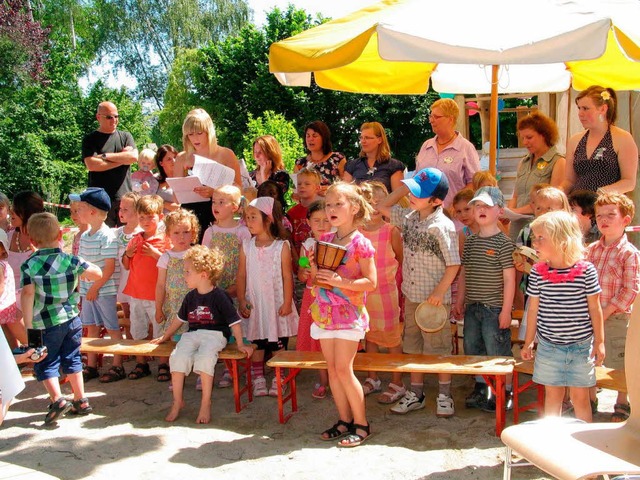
[(430, 264)]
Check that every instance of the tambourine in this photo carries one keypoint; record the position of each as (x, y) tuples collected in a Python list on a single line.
[(431, 318), (328, 256), (526, 255)]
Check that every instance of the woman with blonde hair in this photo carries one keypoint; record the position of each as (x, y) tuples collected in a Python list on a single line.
[(605, 157), (269, 165), (374, 162), (448, 151), (199, 138)]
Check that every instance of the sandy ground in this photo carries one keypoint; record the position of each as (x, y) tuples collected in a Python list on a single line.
[(126, 436)]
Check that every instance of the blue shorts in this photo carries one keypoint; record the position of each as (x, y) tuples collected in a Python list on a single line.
[(103, 311), (63, 350), (564, 365)]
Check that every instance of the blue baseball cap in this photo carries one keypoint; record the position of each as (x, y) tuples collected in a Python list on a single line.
[(94, 196), (428, 182)]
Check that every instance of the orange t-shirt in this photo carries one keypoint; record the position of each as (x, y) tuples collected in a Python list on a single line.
[(143, 269)]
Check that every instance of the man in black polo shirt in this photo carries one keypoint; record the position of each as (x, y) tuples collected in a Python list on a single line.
[(108, 153)]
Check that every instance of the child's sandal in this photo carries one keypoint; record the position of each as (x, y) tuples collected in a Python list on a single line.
[(89, 373), (164, 373), (621, 412), (354, 439), (113, 375), (141, 370), (334, 432), (371, 386), (81, 407), (57, 409)]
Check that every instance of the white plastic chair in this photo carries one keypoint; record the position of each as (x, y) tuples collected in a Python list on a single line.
[(572, 451)]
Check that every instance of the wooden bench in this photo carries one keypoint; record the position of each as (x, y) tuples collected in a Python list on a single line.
[(608, 378), (235, 360), (493, 369)]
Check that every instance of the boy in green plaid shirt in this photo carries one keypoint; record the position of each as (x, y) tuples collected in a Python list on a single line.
[(49, 278)]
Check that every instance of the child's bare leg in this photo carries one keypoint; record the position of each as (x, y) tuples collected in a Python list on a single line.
[(204, 416), (92, 358), (324, 377), (53, 388), (117, 359), (18, 331), (177, 380), (339, 394), (581, 403), (553, 401), (371, 347), (345, 352), (396, 377), (77, 385)]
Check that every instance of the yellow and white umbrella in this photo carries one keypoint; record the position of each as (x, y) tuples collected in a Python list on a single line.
[(468, 46)]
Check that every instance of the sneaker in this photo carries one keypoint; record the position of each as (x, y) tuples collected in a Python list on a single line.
[(319, 391), (444, 406), (199, 384), (273, 391), (260, 387), (408, 403), (226, 381), (478, 397)]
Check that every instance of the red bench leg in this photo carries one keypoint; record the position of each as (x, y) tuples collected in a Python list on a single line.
[(289, 380), (244, 369), (497, 385), (518, 389)]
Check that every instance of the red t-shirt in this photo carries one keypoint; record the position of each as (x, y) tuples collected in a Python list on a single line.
[(143, 269)]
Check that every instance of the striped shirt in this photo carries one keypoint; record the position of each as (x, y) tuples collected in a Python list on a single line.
[(55, 277), (430, 246), (618, 267), (563, 312), (96, 248), (484, 260)]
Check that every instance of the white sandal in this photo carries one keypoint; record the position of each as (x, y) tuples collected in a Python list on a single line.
[(392, 395), (371, 386)]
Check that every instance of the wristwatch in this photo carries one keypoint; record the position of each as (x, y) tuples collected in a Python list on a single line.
[(103, 156)]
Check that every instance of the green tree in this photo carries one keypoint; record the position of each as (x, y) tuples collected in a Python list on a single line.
[(145, 36)]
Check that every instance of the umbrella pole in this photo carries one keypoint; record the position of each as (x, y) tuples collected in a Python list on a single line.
[(493, 120)]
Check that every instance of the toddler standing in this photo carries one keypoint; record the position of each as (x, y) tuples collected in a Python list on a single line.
[(144, 181), (564, 315), (182, 229), (141, 259), (340, 318), (265, 287), (383, 304), (319, 224)]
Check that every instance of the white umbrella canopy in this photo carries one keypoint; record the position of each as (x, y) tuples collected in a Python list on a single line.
[(468, 46)]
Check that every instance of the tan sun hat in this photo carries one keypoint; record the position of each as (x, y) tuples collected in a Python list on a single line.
[(526, 255), (431, 318)]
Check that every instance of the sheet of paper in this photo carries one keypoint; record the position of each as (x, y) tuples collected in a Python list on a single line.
[(513, 216), (11, 382), (183, 189), (211, 173)]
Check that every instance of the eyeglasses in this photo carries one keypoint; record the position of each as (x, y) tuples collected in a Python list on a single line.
[(367, 138), (111, 117), (435, 117)]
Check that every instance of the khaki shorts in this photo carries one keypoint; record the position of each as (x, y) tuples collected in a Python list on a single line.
[(615, 336), (414, 340)]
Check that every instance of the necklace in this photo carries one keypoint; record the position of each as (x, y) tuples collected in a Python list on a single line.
[(18, 246), (554, 277), (344, 236), (448, 141)]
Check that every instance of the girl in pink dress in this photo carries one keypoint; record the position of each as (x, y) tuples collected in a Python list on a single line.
[(383, 304), (319, 224), (265, 288), (340, 319)]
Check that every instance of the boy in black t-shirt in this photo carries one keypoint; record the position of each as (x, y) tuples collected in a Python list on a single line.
[(212, 317)]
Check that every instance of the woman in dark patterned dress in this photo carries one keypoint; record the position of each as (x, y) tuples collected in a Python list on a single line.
[(605, 157), (320, 154)]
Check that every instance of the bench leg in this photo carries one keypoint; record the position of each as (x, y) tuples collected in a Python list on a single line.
[(497, 385), (244, 369), (518, 389), (289, 380)]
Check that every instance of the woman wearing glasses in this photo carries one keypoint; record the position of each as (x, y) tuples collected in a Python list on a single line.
[(375, 162), (448, 151)]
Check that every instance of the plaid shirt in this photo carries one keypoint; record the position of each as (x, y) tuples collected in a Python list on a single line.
[(430, 245), (55, 277), (618, 267)]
